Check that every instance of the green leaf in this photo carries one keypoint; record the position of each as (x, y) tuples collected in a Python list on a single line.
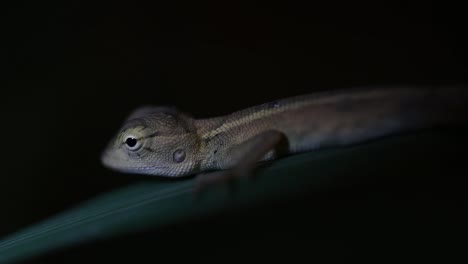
[(157, 203)]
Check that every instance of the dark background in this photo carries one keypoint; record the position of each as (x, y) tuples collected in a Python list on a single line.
[(73, 70)]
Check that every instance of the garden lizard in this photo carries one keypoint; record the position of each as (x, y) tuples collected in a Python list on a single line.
[(164, 141)]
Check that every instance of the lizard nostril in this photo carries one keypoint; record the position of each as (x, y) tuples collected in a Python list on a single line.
[(179, 155)]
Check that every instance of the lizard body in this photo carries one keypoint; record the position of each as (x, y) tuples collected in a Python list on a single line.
[(166, 142)]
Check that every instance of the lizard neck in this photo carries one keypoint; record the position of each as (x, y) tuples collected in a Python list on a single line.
[(206, 125), (203, 127)]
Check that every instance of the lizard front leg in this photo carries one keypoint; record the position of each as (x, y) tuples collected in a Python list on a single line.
[(240, 160)]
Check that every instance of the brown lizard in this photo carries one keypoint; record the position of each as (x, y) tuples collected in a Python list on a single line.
[(166, 142)]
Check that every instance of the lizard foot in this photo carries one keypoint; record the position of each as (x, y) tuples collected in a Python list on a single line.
[(224, 177)]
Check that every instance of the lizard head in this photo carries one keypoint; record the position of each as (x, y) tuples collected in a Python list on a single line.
[(154, 140)]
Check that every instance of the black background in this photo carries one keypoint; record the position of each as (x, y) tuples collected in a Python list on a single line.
[(73, 70)]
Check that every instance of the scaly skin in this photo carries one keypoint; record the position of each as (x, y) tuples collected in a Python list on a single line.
[(166, 142)]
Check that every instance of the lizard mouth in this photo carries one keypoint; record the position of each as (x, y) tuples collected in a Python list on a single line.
[(146, 169), (114, 162), (149, 170), (111, 161)]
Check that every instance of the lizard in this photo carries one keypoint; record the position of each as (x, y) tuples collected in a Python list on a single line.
[(164, 141)]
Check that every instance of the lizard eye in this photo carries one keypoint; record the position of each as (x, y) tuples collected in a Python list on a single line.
[(132, 143)]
